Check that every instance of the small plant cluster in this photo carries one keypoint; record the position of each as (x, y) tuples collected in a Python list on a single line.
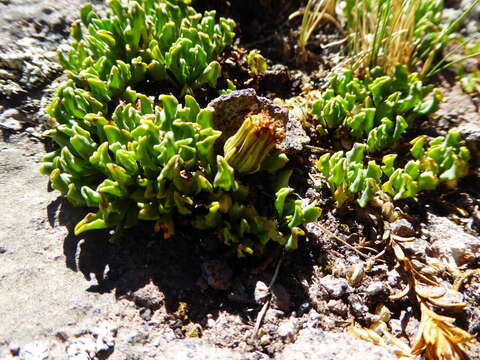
[(469, 77), (157, 163), (132, 158), (379, 108), (164, 41), (443, 160)]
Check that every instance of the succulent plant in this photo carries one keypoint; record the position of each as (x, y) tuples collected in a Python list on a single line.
[(131, 158), (159, 162), (256, 62), (379, 108), (348, 177), (165, 41), (444, 160)]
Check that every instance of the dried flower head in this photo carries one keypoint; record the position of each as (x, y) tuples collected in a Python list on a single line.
[(250, 145)]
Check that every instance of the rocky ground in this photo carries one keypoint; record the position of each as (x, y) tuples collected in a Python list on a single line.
[(69, 297)]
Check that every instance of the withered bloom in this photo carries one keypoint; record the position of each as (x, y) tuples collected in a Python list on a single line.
[(249, 146)]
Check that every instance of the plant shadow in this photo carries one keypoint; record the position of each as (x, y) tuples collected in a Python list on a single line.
[(175, 266)]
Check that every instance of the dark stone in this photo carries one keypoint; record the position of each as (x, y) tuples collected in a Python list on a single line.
[(231, 109), (218, 274), (403, 228)]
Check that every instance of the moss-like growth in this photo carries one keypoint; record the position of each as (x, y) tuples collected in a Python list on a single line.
[(379, 110), (165, 41), (158, 163)]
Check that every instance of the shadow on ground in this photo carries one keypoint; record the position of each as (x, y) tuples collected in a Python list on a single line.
[(175, 266)]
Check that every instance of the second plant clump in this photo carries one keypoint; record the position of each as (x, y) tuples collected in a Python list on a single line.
[(133, 159), (379, 110)]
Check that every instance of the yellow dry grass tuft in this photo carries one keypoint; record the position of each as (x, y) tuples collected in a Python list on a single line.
[(314, 12), (382, 33)]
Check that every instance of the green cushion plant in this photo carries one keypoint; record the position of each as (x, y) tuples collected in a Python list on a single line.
[(158, 163), (130, 158), (379, 108), (166, 41), (444, 160), (377, 111)]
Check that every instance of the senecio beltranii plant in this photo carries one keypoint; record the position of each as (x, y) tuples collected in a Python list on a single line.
[(158, 161), (444, 160), (379, 109), (166, 41)]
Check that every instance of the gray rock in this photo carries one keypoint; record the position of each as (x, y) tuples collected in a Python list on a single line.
[(357, 306), (92, 343), (14, 349), (313, 344), (273, 316), (335, 287), (149, 297), (417, 248), (338, 307), (402, 227), (470, 131), (288, 329), (457, 108), (196, 349), (35, 351), (393, 278), (137, 337), (105, 334), (82, 349), (146, 314), (374, 288), (9, 120), (450, 243), (230, 111)]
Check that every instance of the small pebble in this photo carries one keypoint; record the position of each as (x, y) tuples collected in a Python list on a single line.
[(303, 308), (146, 314), (402, 227), (14, 349), (374, 288), (8, 119), (338, 307), (288, 329), (355, 274), (314, 315), (265, 340), (336, 288)]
